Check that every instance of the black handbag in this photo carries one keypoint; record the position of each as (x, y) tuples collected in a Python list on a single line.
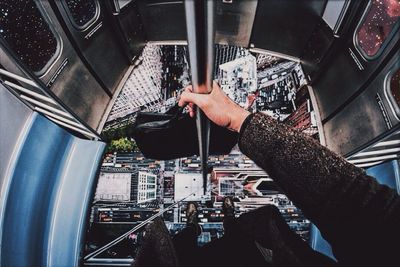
[(173, 135)]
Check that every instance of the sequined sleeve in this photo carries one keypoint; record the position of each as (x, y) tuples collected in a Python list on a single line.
[(333, 194)]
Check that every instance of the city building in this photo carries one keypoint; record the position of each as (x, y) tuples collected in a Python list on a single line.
[(237, 182), (266, 61), (225, 53), (238, 78), (145, 187), (143, 87), (168, 186), (175, 73), (189, 186), (114, 185), (231, 187)]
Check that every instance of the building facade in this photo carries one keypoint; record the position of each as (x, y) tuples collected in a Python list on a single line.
[(114, 186), (146, 187), (143, 87)]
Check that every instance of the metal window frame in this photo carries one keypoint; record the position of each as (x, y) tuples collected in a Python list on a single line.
[(342, 15), (29, 78), (356, 45), (339, 21), (394, 107), (88, 24), (57, 55)]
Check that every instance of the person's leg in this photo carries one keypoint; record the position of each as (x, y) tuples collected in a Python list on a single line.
[(234, 249), (231, 250), (185, 242), (228, 209), (269, 229)]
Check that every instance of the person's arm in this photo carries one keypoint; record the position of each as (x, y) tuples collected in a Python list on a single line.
[(355, 214), (350, 208)]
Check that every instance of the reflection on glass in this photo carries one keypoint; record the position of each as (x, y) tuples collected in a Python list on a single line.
[(377, 25), (27, 33), (395, 86), (82, 11)]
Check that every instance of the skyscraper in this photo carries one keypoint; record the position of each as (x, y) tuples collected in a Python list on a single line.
[(225, 53), (143, 87)]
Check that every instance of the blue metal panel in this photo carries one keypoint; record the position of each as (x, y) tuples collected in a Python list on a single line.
[(71, 203), (319, 244), (48, 197), (387, 173), (29, 194)]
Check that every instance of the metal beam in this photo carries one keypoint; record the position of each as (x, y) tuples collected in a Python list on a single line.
[(200, 34)]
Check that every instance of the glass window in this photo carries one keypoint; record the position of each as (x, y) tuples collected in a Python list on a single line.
[(394, 87), (377, 25), (82, 12), (26, 31)]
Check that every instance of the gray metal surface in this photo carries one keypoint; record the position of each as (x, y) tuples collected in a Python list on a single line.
[(334, 12), (362, 119), (68, 78), (15, 118), (126, 22), (163, 20), (285, 26), (234, 22), (347, 72), (97, 45), (200, 32)]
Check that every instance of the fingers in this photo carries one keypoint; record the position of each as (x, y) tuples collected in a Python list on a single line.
[(187, 97), (183, 102), (189, 89), (192, 111)]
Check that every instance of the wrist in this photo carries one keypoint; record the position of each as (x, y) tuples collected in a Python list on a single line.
[(238, 118)]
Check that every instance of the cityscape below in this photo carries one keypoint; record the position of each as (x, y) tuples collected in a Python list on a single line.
[(132, 188)]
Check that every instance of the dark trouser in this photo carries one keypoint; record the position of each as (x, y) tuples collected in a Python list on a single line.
[(238, 246), (233, 249), (187, 250)]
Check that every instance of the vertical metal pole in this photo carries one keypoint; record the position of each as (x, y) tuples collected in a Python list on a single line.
[(200, 35)]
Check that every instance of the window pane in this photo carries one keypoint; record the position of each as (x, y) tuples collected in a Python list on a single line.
[(27, 33), (395, 86), (377, 25), (82, 11)]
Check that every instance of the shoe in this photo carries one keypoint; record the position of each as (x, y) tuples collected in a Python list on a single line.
[(228, 207), (192, 219)]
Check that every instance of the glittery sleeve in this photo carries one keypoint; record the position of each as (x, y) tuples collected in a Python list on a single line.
[(333, 194)]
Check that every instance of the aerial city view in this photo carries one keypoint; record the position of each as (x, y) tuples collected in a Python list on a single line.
[(132, 188)]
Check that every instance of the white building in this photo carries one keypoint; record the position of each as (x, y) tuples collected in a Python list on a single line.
[(143, 87), (238, 78), (146, 187), (228, 186), (225, 53), (189, 184), (113, 186)]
